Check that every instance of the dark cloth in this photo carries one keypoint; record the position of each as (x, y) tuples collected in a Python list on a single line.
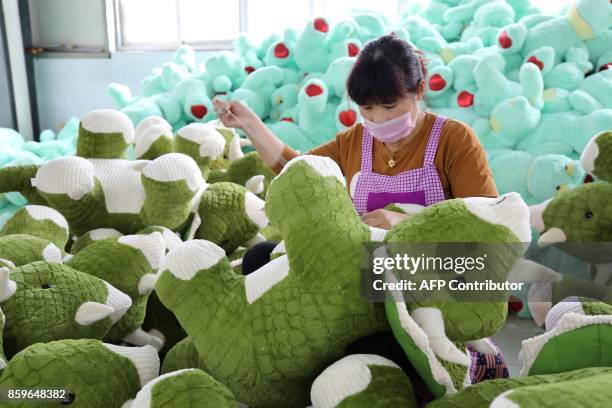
[(257, 256)]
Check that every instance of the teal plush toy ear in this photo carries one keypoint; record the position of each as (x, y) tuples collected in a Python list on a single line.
[(189, 388), (96, 369), (39, 221), (361, 380)]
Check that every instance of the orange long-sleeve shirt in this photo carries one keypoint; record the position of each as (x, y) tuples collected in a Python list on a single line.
[(460, 159)]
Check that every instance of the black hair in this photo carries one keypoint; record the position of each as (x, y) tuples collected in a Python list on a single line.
[(386, 69)]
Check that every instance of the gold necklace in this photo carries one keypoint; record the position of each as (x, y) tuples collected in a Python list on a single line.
[(391, 162)]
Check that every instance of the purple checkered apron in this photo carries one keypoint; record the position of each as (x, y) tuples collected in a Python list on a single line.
[(418, 186)]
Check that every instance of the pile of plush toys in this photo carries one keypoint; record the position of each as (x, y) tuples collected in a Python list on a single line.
[(120, 270), (121, 238), (535, 88)]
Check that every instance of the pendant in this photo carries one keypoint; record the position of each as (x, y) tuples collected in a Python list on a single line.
[(391, 162)]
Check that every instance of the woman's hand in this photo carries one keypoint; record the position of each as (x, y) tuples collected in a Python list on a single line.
[(384, 219), (234, 114)]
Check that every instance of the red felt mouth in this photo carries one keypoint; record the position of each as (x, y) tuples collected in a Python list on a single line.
[(321, 25), (286, 120), (504, 40), (588, 179), (313, 90), (515, 304), (281, 51), (605, 66), (199, 111), (348, 117), (436, 82), (353, 50), (249, 69), (465, 99), (534, 60)]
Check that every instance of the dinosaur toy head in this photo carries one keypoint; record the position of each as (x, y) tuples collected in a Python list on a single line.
[(39, 221), (48, 301), (21, 249), (86, 369), (104, 134), (596, 157)]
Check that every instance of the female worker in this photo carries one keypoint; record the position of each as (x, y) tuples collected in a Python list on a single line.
[(399, 154)]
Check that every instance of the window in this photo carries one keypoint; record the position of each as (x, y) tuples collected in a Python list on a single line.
[(214, 24)]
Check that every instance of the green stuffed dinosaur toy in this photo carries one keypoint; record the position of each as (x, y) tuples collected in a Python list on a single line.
[(45, 301), (91, 374), (183, 389), (129, 263), (277, 354), (39, 221)]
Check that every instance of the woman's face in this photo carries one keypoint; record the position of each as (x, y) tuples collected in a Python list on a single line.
[(379, 113)]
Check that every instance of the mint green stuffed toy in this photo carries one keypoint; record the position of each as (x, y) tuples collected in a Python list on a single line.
[(585, 20), (183, 389), (565, 132), (39, 221), (487, 21), (45, 301), (311, 51), (281, 54), (191, 94), (92, 374), (223, 72), (128, 263), (363, 380), (247, 50), (317, 116), (283, 100), (536, 178)]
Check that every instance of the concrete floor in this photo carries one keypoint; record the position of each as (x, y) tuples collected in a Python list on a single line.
[(510, 337)]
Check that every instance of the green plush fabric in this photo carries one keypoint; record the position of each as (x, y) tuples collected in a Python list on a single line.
[(241, 170), (224, 218), (22, 249), (482, 394), (571, 286), (603, 162), (95, 376), (161, 146), (182, 355), (166, 203), (23, 223), (44, 306), (584, 347), (3, 358), (269, 350), (100, 146), (389, 387), (159, 318), (123, 266), (582, 213), (192, 149), (587, 392), (17, 178), (90, 237), (593, 307), (190, 388)]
